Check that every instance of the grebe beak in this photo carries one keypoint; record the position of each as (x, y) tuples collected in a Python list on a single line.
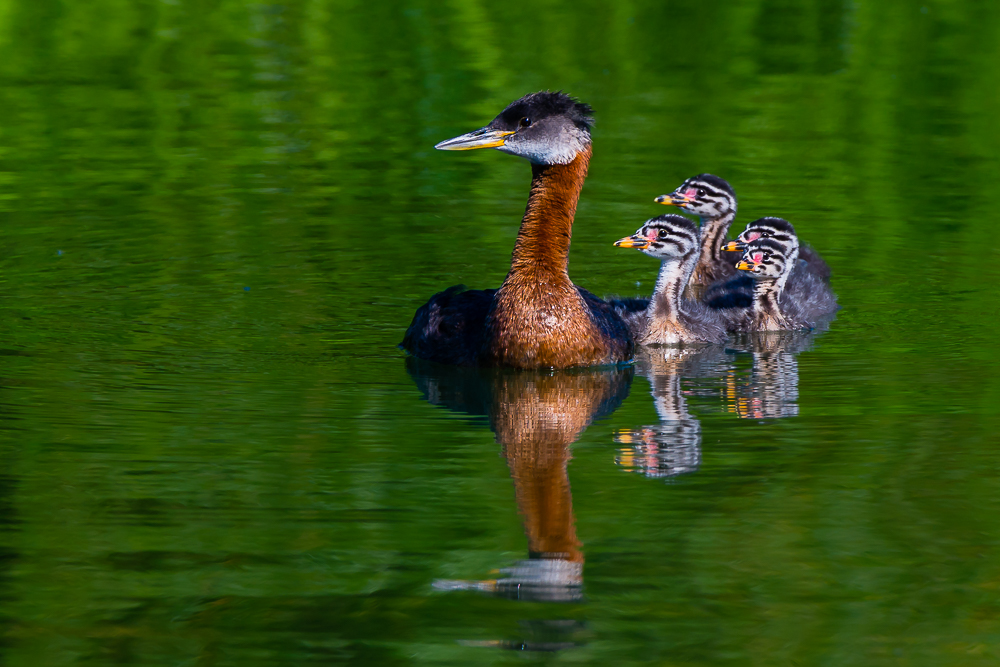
[(735, 246), (634, 241), (673, 199), (482, 138), (744, 265)]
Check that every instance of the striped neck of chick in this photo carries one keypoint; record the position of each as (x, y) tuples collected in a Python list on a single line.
[(713, 200), (769, 261), (674, 240)]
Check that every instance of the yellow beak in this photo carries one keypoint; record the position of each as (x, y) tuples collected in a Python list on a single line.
[(673, 200), (634, 241), (481, 138)]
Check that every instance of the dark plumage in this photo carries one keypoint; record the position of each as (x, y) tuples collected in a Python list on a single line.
[(537, 318), (448, 329)]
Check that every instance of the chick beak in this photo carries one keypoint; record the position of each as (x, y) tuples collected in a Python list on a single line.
[(628, 436), (734, 246), (744, 265), (634, 241), (484, 137), (673, 199)]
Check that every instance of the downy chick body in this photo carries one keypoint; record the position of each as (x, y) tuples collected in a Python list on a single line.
[(669, 318)]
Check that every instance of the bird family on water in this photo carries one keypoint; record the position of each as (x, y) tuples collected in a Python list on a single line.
[(765, 280)]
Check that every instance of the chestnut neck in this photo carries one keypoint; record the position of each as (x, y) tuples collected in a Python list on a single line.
[(543, 241)]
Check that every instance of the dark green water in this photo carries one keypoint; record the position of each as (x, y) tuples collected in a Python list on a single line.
[(218, 219)]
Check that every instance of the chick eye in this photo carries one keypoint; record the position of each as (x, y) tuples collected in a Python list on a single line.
[(701, 192), (523, 123), (663, 233)]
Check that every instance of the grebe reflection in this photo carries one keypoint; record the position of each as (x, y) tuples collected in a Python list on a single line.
[(772, 389), (535, 416), (768, 390), (672, 447)]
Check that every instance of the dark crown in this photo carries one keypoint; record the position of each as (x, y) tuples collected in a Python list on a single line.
[(544, 104)]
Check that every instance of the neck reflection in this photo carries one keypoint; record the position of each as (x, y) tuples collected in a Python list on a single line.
[(772, 389), (672, 447), (769, 389), (535, 416)]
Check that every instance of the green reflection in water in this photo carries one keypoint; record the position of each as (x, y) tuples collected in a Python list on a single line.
[(193, 471)]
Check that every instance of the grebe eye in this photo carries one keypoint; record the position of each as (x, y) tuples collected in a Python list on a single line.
[(524, 122), (663, 233), (701, 192)]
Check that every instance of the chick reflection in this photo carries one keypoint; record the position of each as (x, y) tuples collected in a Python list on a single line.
[(672, 447), (772, 390), (534, 416)]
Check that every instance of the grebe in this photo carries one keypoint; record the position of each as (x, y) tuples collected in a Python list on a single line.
[(537, 318), (808, 282), (778, 227), (769, 261), (712, 199), (669, 318)]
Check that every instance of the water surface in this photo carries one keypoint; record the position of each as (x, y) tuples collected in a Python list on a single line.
[(218, 219)]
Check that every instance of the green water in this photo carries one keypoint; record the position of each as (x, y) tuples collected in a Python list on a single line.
[(217, 219)]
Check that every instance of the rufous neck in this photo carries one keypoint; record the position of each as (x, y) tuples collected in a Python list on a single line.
[(543, 240), (674, 276), (713, 234)]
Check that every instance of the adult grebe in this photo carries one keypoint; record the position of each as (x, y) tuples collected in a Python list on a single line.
[(538, 318), (669, 318)]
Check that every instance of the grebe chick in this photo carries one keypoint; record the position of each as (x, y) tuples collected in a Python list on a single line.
[(712, 199), (670, 319), (538, 318), (779, 227), (769, 261), (808, 283)]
